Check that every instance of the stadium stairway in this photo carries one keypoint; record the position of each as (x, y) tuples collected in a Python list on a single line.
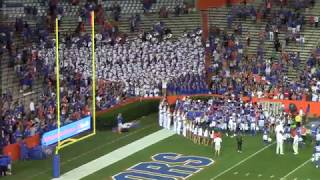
[(312, 38), (177, 24), (218, 18)]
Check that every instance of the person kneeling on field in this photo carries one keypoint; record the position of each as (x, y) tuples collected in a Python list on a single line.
[(5, 165), (266, 138), (119, 121)]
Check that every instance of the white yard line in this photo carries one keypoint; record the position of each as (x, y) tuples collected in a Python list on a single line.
[(301, 165), (116, 155), (244, 160)]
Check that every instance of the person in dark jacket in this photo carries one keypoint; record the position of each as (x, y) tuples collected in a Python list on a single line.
[(239, 142)]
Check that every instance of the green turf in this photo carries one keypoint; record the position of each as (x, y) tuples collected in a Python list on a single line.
[(82, 152), (261, 166)]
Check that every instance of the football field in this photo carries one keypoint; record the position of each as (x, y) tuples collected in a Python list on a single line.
[(257, 161)]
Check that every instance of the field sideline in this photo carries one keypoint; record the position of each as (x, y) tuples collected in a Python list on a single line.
[(256, 162)]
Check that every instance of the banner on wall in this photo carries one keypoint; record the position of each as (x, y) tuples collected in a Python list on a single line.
[(67, 131)]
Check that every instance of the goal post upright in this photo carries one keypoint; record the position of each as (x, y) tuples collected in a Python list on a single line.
[(93, 73), (64, 143), (56, 157)]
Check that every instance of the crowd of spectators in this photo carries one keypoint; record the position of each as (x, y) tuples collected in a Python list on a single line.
[(237, 72), (148, 66)]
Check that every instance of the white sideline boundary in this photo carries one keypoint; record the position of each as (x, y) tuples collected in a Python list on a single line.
[(244, 160), (300, 166), (115, 156)]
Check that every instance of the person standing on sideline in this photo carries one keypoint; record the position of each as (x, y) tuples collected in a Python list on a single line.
[(164, 88), (295, 144), (175, 121), (169, 118), (179, 122), (161, 114), (164, 116), (239, 142), (217, 145), (119, 121), (280, 138)]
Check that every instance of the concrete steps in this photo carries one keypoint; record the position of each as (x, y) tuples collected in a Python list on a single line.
[(218, 17)]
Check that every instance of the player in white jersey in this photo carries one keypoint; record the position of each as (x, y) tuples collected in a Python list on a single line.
[(206, 137), (191, 129), (318, 137), (188, 127), (234, 126), (280, 138), (179, 122), (316, 155), (253, 125), (175, 119), (272, 120), (169, 118), (195, 133), (217, 145), (184, 124), (165, 117), (241, 123), (161, 114), (200, 134), (231, 125), (295, 144), (224, 124)]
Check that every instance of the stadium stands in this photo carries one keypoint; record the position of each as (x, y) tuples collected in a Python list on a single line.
[(29, 77), (27, 59)]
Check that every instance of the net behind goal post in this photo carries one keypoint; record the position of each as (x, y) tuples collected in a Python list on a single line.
[(272, 107)]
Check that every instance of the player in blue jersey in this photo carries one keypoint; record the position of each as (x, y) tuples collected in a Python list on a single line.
[(5, 165), (265, 137), (314, 132), (316, 155), (318, 136), (287, 134)]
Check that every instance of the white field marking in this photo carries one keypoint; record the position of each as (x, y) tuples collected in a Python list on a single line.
[(116, 155), (272, 176), (247, 174), (295, 178), (259, 175), (244, 160), (92, 150), (301, 165), (235, 173)]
